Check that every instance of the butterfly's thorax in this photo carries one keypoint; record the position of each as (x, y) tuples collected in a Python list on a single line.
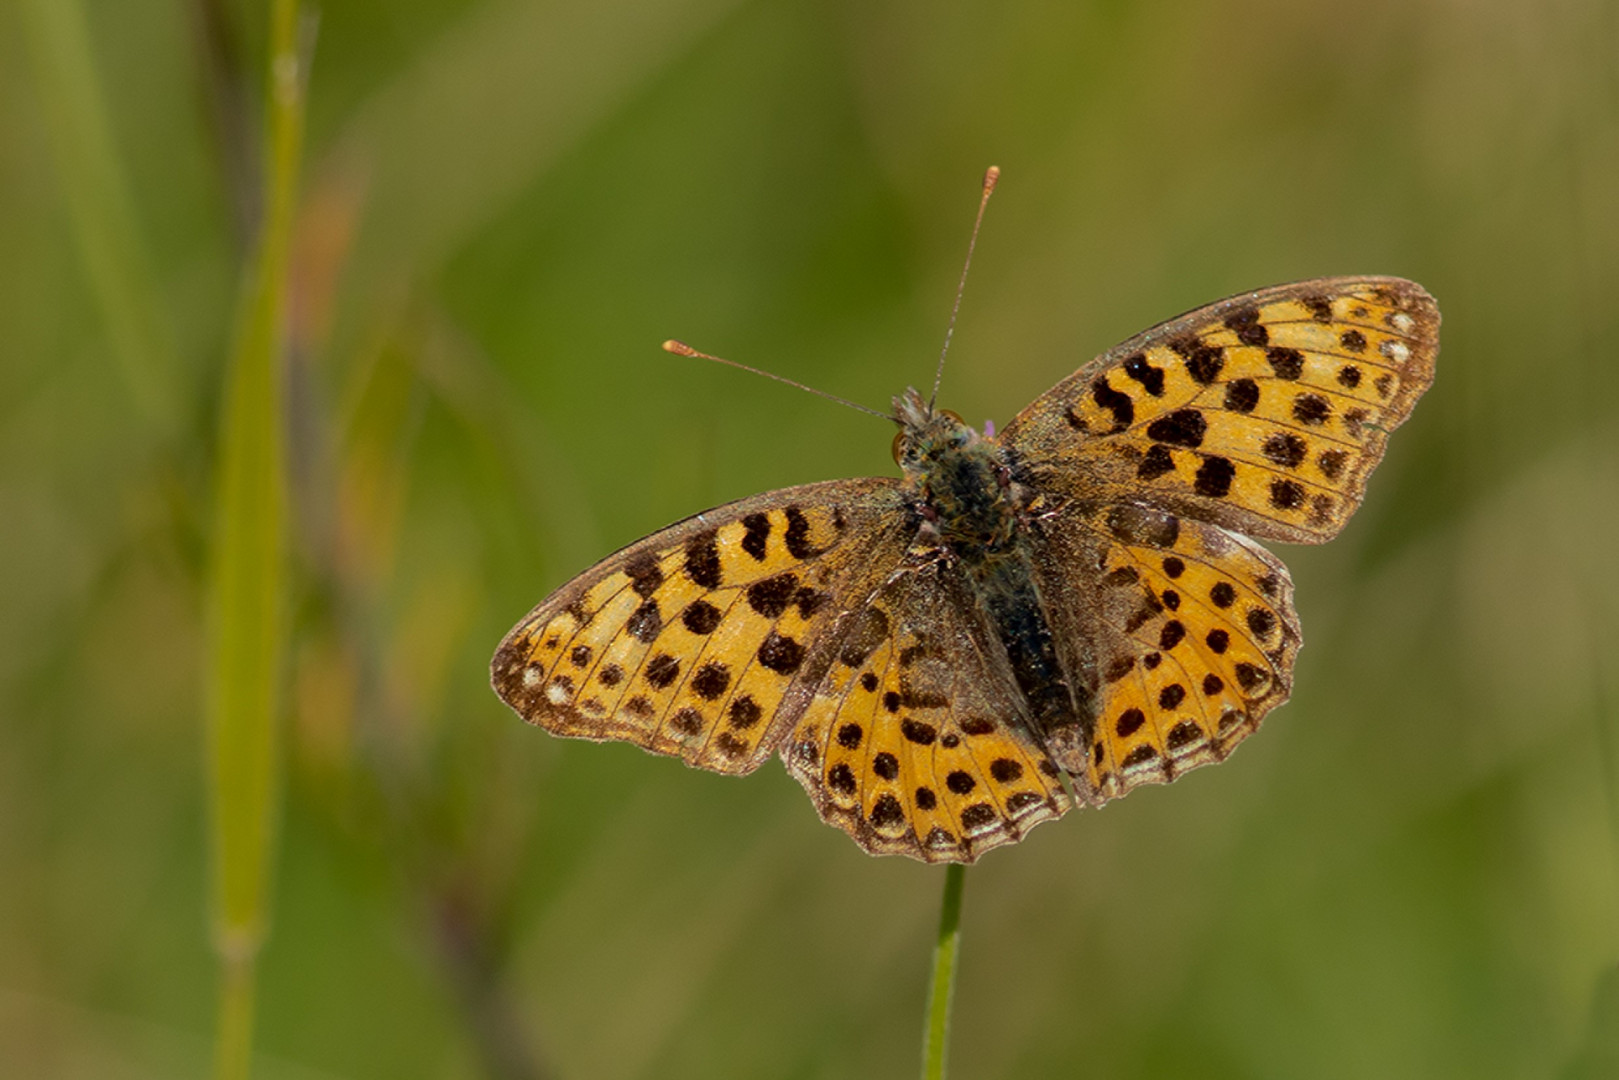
[(972, 512), (962, 482)]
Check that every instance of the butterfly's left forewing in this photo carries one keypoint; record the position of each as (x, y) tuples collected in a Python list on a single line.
[(703, 640)]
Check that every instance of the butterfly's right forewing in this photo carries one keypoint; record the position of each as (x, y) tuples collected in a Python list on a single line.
[(703, 640)]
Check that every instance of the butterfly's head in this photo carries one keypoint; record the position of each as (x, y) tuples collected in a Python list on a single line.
[(925, 433)]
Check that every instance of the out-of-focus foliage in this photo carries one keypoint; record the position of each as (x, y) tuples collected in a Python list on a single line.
[(507, 205)]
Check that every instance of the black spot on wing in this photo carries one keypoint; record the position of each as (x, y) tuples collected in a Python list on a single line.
[(757, 537), (1203, 362), (711, 680), (1311, 409), (772, 596), (1286, 494), (1214, 477), (781, 654), (1286, 363), (841, 778), (1241, 395), (1285, 449), (798, 532), (703, 560), (661, 670), (745, 712), (700, 617), (1151, 378), (1183, 427), (645, 575), (645, 622), (1119, 404), (1245, 323), (1155, 463), (1331, 463), (887, 812)]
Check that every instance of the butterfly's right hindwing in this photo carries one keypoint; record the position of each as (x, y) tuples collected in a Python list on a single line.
[(918, 741), (703, 640)]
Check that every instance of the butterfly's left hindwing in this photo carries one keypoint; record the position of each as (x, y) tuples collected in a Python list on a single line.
[(1186, 632), (702, 640)]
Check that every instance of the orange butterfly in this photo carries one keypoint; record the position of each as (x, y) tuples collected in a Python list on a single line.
[(1055, 614)]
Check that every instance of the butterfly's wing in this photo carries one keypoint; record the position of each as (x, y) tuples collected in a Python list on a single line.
[(916, 741), (1184, 634), (1263, 413), (705, 640)]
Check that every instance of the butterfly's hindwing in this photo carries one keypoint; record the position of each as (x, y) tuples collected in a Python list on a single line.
[(1263, 413), (694, 641), (916, 741), (1190, 629)]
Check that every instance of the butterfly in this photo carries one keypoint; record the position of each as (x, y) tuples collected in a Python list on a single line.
[(1022, 622)]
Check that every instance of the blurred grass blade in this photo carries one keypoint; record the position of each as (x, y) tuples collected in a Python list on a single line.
[(941, 994), (247, 601), (99, 206)]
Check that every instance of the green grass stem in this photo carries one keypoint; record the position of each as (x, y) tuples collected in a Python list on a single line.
[(247, 602), (941, 993)]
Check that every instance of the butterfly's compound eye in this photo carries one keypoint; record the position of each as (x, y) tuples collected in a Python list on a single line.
[(899, 441)]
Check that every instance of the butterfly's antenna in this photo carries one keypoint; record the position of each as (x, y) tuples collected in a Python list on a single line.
[(991, 175), (680, 348)]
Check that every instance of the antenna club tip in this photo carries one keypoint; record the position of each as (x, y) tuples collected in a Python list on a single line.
[(991, 175), (679, 348)]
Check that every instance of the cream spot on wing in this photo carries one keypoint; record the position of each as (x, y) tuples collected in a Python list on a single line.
[(1395, 350)]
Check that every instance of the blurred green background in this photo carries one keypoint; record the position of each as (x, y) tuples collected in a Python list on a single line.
[(506, 206)]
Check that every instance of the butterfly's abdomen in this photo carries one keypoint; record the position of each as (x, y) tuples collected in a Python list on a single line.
[(1058, 701)]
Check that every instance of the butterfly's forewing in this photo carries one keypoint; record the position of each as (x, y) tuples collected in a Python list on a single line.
[(915, 742), (1187, 630), (1263, 413), (704, 639)]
